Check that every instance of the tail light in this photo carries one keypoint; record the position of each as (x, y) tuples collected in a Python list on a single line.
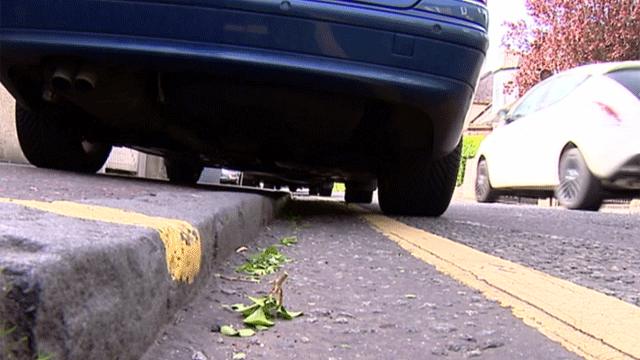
[(611, 113), (471, 10)]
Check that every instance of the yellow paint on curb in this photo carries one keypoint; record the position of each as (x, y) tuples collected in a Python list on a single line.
[(586, 322), (181, 240)]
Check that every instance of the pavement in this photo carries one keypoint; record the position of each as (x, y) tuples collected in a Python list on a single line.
[(92, 266)]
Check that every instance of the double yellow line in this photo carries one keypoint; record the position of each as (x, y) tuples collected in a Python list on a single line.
[(586, 322)]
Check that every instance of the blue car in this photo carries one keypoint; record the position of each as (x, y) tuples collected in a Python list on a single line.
[(372, 93)]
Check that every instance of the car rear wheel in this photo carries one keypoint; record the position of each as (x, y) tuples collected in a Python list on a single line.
[(248, 180), (48, 139), (183, 171), (357, 196), (417, 186), (579, 189), (484, 192), (326, 189)]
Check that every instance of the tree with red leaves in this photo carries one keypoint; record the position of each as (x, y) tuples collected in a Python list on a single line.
[(563, 34)]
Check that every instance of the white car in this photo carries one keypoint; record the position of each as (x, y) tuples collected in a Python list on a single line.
[(575, 135)]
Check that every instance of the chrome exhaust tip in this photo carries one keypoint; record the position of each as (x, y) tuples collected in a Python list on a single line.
[(85, 80), (61, 80)]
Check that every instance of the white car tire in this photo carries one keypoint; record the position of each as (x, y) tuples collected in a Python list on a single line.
[(485, 193), (579, 189)]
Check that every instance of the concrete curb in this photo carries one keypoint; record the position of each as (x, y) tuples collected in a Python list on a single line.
[(89, 290)]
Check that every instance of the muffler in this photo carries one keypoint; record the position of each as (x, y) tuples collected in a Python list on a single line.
[(62, 78), (85, 80)]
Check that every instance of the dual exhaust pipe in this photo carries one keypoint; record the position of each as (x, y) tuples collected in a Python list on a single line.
[(65, 78)]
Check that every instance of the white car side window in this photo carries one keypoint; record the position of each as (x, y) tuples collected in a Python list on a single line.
[(561, 87), (629, 78), (531, 101), (548, 93)]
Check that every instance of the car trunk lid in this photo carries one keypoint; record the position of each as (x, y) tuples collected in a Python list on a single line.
[(389, 3), (412, 3)]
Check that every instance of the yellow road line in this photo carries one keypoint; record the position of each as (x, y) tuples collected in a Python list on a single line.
[(181, 240), (589, 323)]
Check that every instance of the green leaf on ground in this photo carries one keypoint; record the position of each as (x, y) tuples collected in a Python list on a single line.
[(266, 262), (289, 241), (239, 356), (258, 317), (246, 332), (258, 301), (245, 310), (228, 330), (288, 315), (262, 311)]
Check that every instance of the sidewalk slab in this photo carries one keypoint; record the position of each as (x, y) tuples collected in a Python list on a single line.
[(74, 288)]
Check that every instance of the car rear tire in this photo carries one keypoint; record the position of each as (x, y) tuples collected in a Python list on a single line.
[(485, 193), (357, 196), (326, 189), (414, 185), (183, 171), (250, 181), (48, 139), (579, 189)]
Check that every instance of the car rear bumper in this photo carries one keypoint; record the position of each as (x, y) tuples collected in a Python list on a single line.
[(425, 60), (626, 176), (616, 158)]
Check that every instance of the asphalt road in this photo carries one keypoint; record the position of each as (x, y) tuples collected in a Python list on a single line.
[(366, 295), (597, 250), (363, 298)]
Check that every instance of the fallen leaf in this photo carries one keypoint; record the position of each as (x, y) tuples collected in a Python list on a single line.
[(239, 356), (288, 315), (258, 317), (228, 330), (245, 310), (289, 241), (246, 332)]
